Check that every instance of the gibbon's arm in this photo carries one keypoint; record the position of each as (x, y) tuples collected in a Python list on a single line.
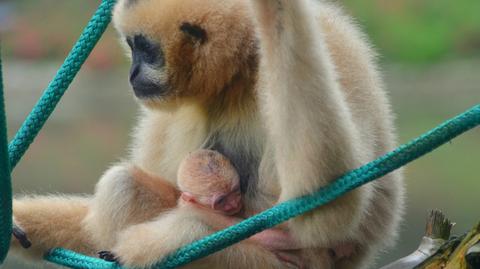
[(144, 244), (124, 196), (310, 126), (49, 222)]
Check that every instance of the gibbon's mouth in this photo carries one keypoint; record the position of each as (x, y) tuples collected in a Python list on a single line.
[(150, 90)]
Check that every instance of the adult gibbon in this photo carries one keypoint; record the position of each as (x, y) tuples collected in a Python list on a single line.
[(287, 90)]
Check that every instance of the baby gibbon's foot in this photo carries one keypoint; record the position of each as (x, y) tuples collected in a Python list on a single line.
[(107, 256), (21, 236)]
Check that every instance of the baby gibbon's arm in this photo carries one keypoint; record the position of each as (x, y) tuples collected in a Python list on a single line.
[(309, 123)]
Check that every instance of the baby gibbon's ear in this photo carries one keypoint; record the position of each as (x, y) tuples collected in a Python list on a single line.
[(195, 32), (188, 197)]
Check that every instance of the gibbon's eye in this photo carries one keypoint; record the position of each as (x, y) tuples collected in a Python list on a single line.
[(145, 50), (221, 200), (218, 203), (194, 31), (141, 43)]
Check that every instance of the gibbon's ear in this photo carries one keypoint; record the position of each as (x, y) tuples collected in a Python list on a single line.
[(194, 31), (188, 197)]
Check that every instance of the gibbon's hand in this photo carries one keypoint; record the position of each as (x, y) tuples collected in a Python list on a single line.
[(21, 236)]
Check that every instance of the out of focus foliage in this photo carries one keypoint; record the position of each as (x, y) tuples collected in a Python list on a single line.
[(410, 31), (47, 29), (421, 30)]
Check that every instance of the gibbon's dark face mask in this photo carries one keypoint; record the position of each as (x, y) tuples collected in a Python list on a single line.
[(148, 63)]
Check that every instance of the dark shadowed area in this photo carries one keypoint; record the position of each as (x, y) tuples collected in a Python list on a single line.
[(430, 57)]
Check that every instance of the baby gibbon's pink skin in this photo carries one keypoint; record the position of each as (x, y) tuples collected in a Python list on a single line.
[(207, 178)]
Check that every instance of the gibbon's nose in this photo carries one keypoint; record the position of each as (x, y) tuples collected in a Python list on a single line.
[(134, 71), (233, 204)]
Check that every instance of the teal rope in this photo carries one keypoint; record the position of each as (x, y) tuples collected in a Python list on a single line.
[(57, 87), (75, 260), (5, 183), (284, 211)]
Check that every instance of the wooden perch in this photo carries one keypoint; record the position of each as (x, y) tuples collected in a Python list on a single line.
[(440, 251), (460, 253)]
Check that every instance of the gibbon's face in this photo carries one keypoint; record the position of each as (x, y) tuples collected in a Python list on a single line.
[(185, 49)]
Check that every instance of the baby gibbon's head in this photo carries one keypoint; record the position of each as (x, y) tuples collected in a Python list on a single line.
[(187, 50), (207, 178)]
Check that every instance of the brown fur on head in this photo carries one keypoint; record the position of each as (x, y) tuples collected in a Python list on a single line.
[(206, 172), (209, 49)]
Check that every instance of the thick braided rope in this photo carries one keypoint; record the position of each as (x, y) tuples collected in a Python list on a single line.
[(57, 87), (284, 211), (5, 183)]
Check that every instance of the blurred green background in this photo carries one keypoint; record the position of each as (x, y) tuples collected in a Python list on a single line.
[(430, 58)]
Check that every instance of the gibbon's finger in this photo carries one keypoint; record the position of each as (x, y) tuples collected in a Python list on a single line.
[(21, 236), (107, 256)]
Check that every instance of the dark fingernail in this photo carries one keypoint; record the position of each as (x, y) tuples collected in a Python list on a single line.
[(107, 256), (21, 237)]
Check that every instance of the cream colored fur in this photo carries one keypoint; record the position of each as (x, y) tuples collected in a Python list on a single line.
[(317, 110), (329, 79)]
